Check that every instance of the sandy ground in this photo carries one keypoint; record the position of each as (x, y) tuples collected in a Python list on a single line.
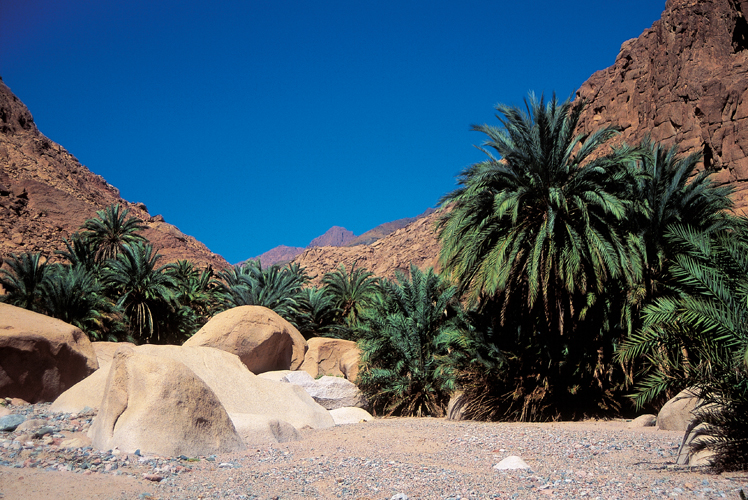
[(419, 458)]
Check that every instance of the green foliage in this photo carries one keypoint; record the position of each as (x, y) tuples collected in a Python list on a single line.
[(352, 292), (697, 335), (74, 295), (405, 341), (539, 225), (111, 230), (276, 288), (318, 316), (146, 292), (23, 280)]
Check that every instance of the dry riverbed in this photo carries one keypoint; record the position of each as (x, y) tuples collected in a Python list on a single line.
[(414, 458)]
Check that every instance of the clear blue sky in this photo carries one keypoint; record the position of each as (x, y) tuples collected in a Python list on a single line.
[(252, 124)]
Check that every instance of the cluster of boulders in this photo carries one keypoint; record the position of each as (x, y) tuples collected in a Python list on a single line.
[(201, 398)]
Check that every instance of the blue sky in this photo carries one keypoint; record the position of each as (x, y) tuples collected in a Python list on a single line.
[(252, 124)]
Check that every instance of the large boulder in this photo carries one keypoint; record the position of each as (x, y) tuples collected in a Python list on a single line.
[(263, 340), (241, 391), (89, 392), (330, 392), (676, 414), (238, 389), (159, 406), (334, 357), (41, 357), (344, 416)]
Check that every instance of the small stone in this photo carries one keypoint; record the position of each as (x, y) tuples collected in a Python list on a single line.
[(510, 463), (153, 477), (399, 496), (9, 423)]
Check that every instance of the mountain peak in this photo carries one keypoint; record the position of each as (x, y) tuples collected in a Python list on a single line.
[(336, 236)]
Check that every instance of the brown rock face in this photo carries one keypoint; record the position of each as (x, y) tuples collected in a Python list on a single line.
[(46, 194), (684, 81), (263, 340), (41, 357), (414, 243)]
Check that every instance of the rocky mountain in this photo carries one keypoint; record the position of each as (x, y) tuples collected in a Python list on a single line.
[(685, 82), (46, 194), (383, 230), (336, 236), (278, 255), (415, 243)]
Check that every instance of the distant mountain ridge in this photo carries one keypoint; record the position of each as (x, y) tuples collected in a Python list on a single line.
[(336, 236)]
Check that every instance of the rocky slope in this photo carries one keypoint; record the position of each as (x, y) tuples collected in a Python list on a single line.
[(415, 243), (684, 81), (46, 194)]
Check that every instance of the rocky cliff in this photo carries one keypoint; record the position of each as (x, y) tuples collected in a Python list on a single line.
[(684, 81), (46, 194)]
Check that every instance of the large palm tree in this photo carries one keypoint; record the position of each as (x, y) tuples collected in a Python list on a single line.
[(672, 192), (538, 224), (111, 230), (146, 291)]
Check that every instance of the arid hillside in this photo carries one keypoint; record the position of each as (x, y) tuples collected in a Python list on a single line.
[(46, 194)]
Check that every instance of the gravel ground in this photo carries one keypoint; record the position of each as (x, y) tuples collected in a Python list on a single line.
[(413, 458)]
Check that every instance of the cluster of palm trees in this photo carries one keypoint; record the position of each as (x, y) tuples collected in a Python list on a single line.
[(575, 274), (591, 267)]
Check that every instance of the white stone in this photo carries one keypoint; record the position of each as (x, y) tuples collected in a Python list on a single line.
[(510, 463)]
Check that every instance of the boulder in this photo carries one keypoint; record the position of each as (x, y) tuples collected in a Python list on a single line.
[(646, 420), (687, 455), (275, 376), (335, 357), (350, 415), (159, 406), (238, 389), (89, 391), (258, 429), (676, 414), (105, 352), (330, 392), (41, 357), (263, 340), (241, 391)]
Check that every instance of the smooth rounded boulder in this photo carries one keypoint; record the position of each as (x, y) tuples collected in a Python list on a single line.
[(330, 392), (159, 406), (261, 338), (334, 357), (40, 356), (676, 414)]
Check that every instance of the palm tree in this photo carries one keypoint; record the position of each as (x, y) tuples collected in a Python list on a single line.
[(74, 295), (146, 291), (697, 336), (111, 230), (405, 342), (663, 187), (22, 281), (538, 226), (80, 251), (351, 291), (274, 287), (318, 316)]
